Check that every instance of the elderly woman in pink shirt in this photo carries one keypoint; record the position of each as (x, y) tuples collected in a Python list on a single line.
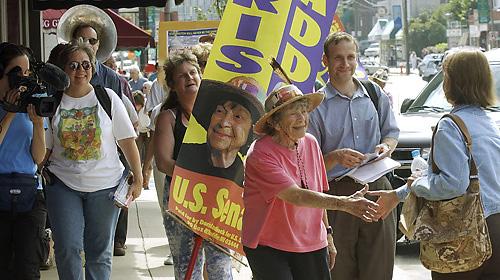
[(285, 228)]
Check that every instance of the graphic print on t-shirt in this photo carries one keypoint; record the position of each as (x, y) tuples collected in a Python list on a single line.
[(80, 134)]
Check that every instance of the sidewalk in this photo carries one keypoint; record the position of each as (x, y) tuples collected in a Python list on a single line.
[(147, 246)]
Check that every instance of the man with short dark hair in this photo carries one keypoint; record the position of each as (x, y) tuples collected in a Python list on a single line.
[(347, 126)]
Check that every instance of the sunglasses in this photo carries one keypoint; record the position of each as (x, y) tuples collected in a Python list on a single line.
[(91, 41), (75, 65)]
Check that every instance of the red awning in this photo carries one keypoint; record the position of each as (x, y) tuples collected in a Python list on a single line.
[(39, 5), (129, 35), (50, 18)]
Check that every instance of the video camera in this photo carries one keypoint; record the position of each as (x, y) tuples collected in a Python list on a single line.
[(34, 88)]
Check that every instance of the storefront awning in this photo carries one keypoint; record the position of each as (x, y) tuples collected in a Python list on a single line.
[(399, 35), (391, 28), (129, 35), (39, 5), (376, 32)]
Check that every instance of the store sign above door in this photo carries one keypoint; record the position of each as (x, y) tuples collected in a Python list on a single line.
[(111, 4)]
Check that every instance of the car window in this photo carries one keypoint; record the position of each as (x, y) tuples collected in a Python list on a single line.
[(495, 69), (436, 98)]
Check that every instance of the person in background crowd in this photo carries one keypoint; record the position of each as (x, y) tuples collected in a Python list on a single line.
[(468, 86), (146, 88), (154, 75), (22, 147), (286, 234), (413, 60), (380, 77), (85, 169), (202, 51), (183, 78), (136, 79), (344, 141), (144, 122), (111, 63)]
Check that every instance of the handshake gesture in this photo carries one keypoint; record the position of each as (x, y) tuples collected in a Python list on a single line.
[(357, 205)]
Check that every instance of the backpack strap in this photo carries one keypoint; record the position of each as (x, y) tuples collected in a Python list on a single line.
[(372, 92), (104, 100)]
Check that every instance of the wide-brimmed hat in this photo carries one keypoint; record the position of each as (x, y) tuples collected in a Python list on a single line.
[(281, 97), (213, 93), (380, 75)]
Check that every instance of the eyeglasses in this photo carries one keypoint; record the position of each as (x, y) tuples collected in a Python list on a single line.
[(91, 41), (75, 65)]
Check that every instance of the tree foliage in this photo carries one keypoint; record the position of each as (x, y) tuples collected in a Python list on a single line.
[(220, 6), (429, 28)]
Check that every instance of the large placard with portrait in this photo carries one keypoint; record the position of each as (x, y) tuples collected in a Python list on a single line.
[(207, 184)]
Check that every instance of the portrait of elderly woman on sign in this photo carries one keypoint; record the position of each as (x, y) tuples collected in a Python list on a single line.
[(285, 228), (227, 113)]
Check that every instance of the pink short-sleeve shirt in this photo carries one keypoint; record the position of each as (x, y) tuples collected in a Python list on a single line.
[(270, 221)]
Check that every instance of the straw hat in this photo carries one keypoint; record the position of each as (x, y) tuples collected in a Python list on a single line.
[(281, 97), (380, 75)]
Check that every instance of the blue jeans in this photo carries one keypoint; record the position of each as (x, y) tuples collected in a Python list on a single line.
[(79, 221)]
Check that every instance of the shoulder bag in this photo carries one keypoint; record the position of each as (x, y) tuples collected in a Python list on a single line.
[(453, 233)]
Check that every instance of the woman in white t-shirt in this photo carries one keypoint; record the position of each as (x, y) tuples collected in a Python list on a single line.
[(85, 169)]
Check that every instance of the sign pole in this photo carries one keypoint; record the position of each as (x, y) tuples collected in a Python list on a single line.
[(198, 241)]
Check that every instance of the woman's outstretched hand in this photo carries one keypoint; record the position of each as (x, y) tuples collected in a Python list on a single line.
[(357, 205)]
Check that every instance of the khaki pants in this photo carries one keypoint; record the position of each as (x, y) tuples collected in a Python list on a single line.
[(365, 251)]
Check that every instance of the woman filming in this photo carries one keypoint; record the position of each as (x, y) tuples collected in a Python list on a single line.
[(85, 169), (22, 147)]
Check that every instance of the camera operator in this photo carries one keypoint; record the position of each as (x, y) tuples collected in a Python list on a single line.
[(22, 147)]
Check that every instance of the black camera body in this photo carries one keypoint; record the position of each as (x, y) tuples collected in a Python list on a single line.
[(33, 91)]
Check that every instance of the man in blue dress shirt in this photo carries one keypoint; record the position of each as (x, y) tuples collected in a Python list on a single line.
[(347, 125)]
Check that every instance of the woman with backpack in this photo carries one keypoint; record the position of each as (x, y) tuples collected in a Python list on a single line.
[(22, 147), (85, 169)]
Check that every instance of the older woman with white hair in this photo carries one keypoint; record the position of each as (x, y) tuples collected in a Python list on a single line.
[(136, 79), (285, 228)]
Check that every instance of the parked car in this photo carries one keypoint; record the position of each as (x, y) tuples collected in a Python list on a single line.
[(430, 66), (373, 50), (364, 44), (372, 67), (420, 115)]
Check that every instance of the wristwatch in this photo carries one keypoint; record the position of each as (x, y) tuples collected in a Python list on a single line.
[(329, 230)]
